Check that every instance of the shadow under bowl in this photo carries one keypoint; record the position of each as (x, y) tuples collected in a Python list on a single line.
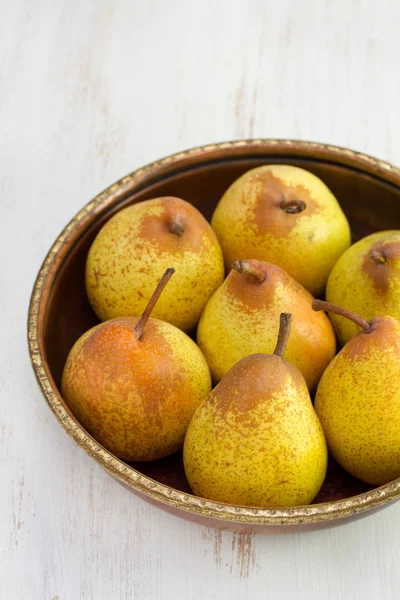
[(369, 193)]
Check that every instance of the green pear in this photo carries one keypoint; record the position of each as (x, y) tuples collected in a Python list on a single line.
[(242, 317), (358, 399), (286, 216), (256, 440), (366, 280)]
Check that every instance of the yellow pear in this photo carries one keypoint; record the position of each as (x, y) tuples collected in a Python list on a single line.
[(286, 216), (133, 249), (358, 399), (256, 440), (242, 317), (366, 280), (134, 384)]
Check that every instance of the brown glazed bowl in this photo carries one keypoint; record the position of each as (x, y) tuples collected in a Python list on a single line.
[(369, 192)]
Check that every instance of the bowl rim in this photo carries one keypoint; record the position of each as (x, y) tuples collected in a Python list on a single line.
[(126, 474)]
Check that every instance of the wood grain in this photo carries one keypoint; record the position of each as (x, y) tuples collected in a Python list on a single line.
[(88, 92)]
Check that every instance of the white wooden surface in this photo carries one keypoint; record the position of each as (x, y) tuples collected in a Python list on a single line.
[(90, 91)]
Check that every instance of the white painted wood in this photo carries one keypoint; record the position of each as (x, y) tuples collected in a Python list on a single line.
[(88, 92)]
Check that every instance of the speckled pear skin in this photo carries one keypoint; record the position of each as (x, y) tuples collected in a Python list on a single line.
[(358, 403), (250, 223), (367, 286), (256, 440), (242, 318), (133, 249), (135, 397)]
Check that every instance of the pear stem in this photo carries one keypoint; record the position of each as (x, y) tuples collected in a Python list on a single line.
[(283, 335), (377, 256), (152, 302), (293, 206), (177, 228), (343, 312), (249, 268)]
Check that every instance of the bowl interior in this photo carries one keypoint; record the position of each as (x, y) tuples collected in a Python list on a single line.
[(370, 203)]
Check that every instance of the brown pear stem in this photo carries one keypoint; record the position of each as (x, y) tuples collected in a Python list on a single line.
[(176, 228), (248, 268), (343, 312), (377, 256), (152, 302), (283, 335), (293, 206)]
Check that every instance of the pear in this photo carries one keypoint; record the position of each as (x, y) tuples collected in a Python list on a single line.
[(286, 216), (256, 440), (366, 280), (358, 399), (134, 248), (242, 317), (134, 384)]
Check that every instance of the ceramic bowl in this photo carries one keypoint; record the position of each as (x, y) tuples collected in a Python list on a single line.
[(369, 192)]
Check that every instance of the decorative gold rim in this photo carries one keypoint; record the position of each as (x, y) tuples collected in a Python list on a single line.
[(127, 475)]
